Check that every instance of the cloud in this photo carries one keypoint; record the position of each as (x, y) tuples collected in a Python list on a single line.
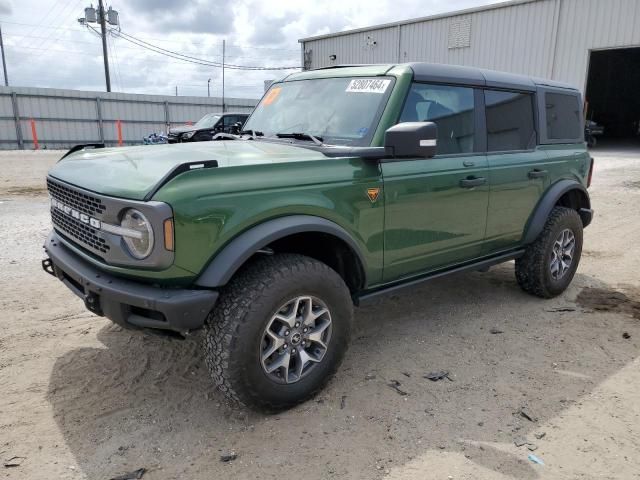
[(5, 7), (257, 33), (270, 31), (188, 16)]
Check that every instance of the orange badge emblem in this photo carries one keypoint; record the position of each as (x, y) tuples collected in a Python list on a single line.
[(373, 194)]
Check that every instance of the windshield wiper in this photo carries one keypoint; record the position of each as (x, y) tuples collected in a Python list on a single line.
[(301, 136)]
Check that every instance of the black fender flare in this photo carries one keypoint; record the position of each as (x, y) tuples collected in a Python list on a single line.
[(241, 248), (549, 200)]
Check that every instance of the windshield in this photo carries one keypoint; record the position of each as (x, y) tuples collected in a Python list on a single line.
[(341, 111), (208, 121)]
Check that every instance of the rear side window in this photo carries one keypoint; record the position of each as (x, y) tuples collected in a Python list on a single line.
[(563, 116), (450, 108), (510, 121)]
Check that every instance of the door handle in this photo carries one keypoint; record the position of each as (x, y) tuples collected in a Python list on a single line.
[(471, 182), (538, 173)]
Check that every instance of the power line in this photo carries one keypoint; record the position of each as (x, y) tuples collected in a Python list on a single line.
[(189, 58), (162, 40), (293, 57), (53, 6), (63, 16), (43, 26), (114, 60)]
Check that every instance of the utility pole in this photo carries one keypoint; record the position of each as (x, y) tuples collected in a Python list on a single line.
[(103, 17), (103, 31), (176, 90), (223, 51), (209, 88), (4, 62)]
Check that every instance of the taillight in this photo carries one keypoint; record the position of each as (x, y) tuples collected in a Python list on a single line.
[(590, 174)]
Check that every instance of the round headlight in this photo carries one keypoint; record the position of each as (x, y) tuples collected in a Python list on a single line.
[(140, 244)]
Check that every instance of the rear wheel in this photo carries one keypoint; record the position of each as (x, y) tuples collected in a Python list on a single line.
[(279, 331), (549, 264)]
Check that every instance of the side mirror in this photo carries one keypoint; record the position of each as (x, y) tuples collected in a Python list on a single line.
[(411, 139)]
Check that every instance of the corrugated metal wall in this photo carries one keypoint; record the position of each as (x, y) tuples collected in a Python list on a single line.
[(543, 38), (64, 118), (592, 25)]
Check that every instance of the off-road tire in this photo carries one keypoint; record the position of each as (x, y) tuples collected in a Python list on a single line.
[(235, 328), (532, 269)]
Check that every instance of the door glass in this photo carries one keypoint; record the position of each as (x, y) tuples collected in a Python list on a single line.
[(510, 124), (563, 116), (450, 108), (230, 120)]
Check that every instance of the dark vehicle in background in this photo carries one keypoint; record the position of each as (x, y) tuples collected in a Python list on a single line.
[(208, 126), (591, 131)]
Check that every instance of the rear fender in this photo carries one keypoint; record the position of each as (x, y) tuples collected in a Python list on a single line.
[(550, 200)]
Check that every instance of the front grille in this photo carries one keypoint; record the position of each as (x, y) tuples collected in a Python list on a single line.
[(78, 231), (80, 201)]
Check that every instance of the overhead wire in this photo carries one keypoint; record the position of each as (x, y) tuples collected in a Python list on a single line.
[(50, 42), (117, 62), (189, 58)]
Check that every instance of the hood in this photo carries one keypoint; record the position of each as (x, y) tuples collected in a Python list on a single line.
[(133, 172), (181, 129)]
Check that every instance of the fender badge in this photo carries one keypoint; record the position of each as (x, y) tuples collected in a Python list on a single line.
[(373, 194)]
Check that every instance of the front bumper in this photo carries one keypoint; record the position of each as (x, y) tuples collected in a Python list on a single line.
[(126, 302)]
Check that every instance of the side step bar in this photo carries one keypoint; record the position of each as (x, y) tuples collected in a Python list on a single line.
[(370, 296)]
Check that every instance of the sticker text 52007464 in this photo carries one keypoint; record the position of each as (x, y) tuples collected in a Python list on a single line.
[(368, 85)]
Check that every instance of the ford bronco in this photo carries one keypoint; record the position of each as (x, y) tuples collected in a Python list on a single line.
[(346, 184)]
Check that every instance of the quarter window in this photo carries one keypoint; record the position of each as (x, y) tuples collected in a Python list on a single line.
[(563, 116), (510, 122), (450, 108)]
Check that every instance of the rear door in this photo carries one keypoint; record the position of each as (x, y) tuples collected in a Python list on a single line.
[(436, 209), (563, 132), (518, 169)]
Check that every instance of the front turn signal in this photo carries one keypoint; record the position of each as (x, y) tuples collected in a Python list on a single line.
[(168, 234)]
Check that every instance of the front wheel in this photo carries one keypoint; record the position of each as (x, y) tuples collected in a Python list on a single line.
[(549, 264), (278, 332)]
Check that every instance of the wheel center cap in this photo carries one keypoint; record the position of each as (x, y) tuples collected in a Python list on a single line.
[(295, 338)]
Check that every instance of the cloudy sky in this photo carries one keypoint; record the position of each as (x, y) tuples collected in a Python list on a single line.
[(46, 47)]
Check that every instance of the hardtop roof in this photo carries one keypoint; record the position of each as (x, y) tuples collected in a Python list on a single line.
[(439, 73)]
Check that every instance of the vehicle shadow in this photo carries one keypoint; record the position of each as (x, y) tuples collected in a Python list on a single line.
[(146, 401)]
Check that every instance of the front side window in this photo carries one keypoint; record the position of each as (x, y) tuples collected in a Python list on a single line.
[(563, 116), (450, 108), (510, 122), (230, 120), (341, 111)]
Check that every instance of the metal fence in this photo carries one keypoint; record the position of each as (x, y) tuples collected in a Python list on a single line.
[(54, 118)]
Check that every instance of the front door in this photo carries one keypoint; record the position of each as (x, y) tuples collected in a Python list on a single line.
[(436, 209)]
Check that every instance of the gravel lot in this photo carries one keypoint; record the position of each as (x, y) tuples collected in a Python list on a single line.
[(83, 399)]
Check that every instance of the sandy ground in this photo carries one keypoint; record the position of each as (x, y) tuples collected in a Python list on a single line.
[(80, 398)]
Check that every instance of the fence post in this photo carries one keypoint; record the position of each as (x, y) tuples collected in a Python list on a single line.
[(167, 120), (34, 135), (99, 114), (119, 129), (16, 117)]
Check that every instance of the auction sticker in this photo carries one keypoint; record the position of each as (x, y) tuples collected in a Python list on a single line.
[(271, 96), (368, 85)]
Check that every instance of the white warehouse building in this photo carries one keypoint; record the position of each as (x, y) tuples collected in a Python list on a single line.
[(591, 44)]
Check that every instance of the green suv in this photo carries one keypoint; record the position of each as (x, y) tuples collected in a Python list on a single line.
[(347, 183)]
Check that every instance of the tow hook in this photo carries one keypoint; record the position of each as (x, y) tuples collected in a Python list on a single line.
[(92, 302), (47, 266)]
